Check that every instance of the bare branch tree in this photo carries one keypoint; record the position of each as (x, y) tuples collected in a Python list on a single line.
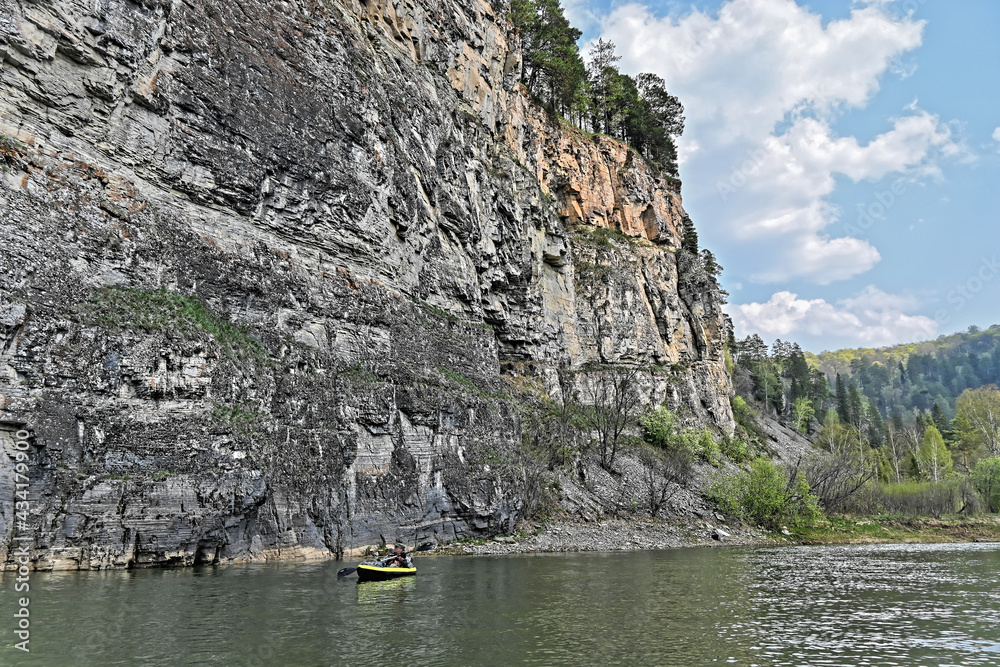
[(900, 443), (664, 473), (552, 428), (834, 479), (611, 403)]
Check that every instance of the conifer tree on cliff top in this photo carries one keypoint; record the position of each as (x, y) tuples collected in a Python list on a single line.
[(598, 97)]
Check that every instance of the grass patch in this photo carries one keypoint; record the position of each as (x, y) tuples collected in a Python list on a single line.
[(163, 310), (897, 529), (245, 421), (601, 237), (592, 272), (489, 457), (12, 144), (467, 384), (358, 374), (12, 152), (434, 310)]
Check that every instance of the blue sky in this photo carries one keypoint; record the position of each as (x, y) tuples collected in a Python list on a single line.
[(842, 159)]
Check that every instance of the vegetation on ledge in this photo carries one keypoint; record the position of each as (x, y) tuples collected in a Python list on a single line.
[(164, 310)]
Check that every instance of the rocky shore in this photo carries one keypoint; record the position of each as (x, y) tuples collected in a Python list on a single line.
[(616, 535), (633, 535)]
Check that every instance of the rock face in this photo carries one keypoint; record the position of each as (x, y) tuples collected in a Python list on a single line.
[(271, 274)]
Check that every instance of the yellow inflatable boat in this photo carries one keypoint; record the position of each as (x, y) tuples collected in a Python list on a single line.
[(368, 572)]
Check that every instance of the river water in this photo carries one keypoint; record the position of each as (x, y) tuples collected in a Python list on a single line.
[(842, 605)]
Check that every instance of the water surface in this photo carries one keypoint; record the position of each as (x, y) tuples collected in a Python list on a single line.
[(847, 605)]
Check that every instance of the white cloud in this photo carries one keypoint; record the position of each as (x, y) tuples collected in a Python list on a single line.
[(758, 60), (822, 260), (870, 318), (686, 151), (580, 14), (996, 136), (763, 82)]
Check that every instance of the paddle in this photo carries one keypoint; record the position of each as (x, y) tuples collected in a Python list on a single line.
[(426, 546)]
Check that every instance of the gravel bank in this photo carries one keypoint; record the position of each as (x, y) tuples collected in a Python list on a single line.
[(616, 535)]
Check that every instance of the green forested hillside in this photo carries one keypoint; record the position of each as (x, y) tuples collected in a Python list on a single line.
[(913, 377), (912, 429)]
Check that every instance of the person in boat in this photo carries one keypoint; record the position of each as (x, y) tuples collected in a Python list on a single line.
[(398, 558)]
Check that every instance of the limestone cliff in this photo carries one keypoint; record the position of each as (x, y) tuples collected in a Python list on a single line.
[(272, 272)]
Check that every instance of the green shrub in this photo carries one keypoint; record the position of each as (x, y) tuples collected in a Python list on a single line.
[(915, 498), (807, 502), (746, 419), (659, 427), (986, 478), (764, 495), (735, 449), (740, 406), (661, 430), (921, 497), (243, 419), (601, 237), (708, 448)]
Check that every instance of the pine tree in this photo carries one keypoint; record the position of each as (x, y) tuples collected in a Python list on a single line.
[(689, 240), (638, 111), (843, 405), (819, 389), (553, 68), (921, 421), (897, 420), (876, 432), (856, 406), (798, 370), (754, 348), (780, 350), (711, 267), (942, 422), (660, 121), (604, 83)]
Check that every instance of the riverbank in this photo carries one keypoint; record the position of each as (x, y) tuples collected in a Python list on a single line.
[(629, 535), (897, 529), (615, 535)]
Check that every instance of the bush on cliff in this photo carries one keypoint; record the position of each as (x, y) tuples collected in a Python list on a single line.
[(661, 430)]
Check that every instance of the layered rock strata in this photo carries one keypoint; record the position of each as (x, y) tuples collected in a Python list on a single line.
[(272, 276)]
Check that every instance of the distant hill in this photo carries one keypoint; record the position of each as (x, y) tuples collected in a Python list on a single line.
[(915, 376)]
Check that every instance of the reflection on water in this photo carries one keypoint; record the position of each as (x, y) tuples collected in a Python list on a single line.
[(857, 605), (379, 592)]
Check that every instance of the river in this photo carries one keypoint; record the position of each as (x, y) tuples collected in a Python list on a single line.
[(838, 605)]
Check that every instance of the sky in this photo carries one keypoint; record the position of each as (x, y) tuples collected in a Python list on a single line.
[(841, 158)]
